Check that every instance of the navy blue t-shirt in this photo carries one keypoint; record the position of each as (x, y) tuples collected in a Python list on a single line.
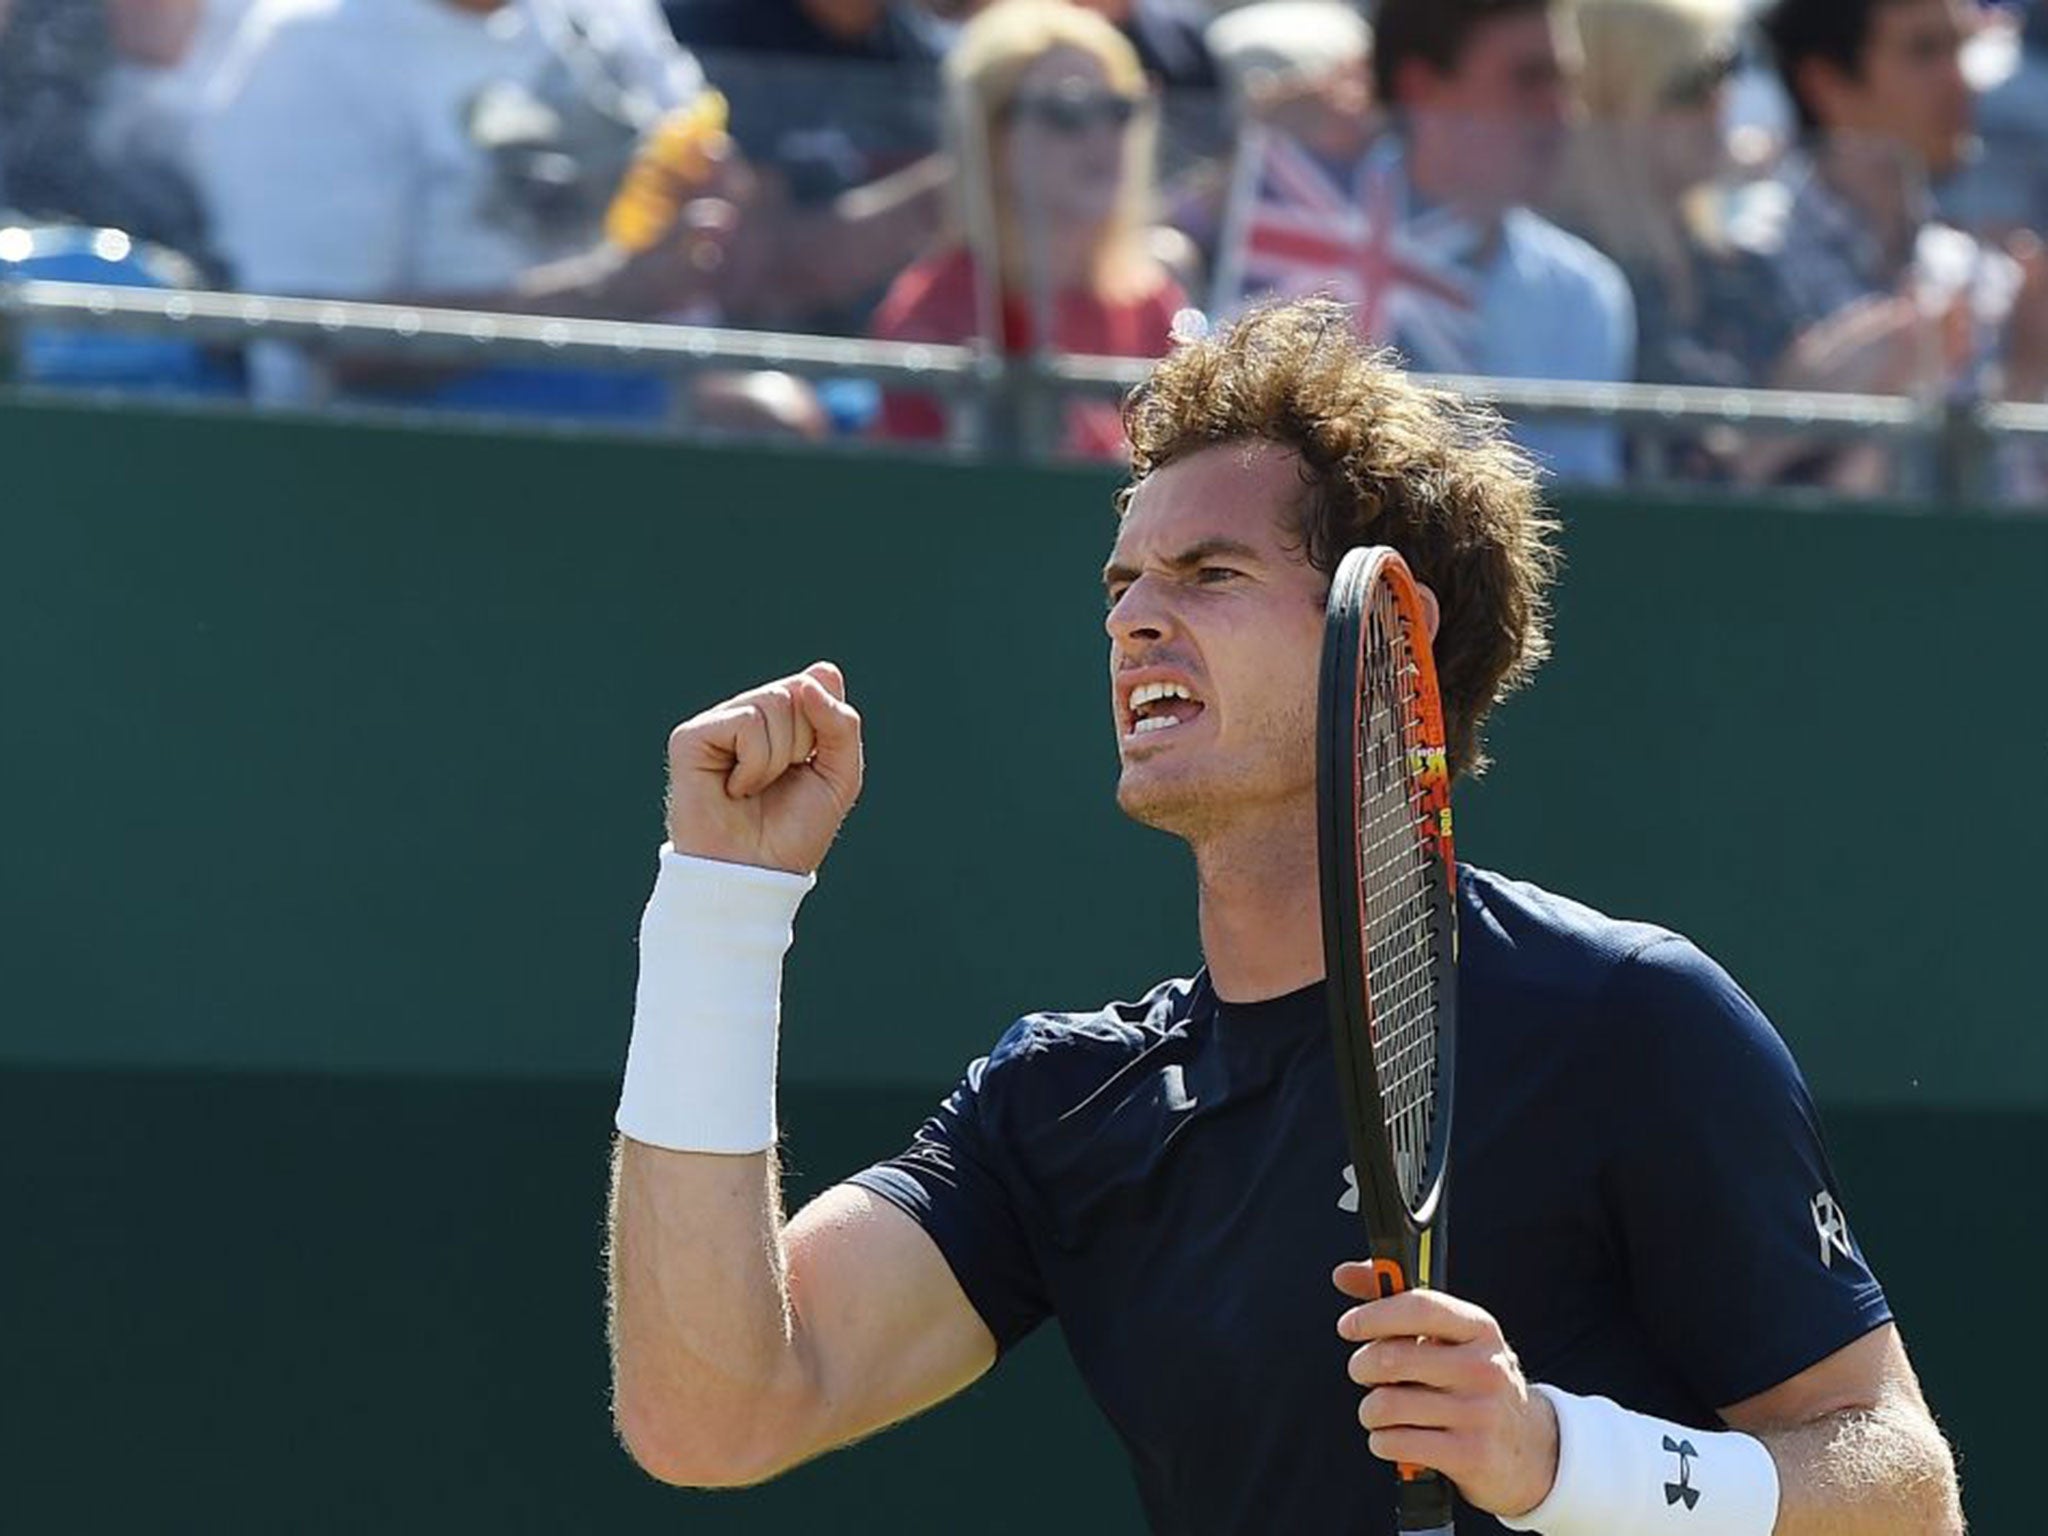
[(1638, 1193)]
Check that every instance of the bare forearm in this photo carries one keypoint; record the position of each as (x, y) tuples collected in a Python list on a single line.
[(705, 1355), (1883, 1471)]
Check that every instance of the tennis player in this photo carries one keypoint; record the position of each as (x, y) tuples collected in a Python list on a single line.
[(1655, 1319)]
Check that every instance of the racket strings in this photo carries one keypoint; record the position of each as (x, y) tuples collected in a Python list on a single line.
[(1398, 873)]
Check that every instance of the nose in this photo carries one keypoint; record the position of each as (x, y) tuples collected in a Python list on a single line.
[(1138, 617)]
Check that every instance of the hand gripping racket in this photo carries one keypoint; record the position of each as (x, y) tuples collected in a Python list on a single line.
[(1390, 943)]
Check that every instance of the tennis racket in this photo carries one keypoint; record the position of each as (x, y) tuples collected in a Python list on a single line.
[(1389, 885)]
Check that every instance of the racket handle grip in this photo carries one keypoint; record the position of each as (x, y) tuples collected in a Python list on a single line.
[(1424, 1507)]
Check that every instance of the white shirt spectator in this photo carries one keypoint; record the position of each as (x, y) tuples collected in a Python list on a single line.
[(372, 148), (148, 110)]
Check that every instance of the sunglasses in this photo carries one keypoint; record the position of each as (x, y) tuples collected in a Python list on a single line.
[(1074, 114)]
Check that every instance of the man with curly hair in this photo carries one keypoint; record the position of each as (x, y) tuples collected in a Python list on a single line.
[(1655, 1318)]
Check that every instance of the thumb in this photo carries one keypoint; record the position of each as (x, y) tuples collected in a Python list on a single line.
[(828, 673), (835, 728)]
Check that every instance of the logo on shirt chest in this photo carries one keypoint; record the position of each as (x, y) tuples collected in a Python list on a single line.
[(1348, 1201)]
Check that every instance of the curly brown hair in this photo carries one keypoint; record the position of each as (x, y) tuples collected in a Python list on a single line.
[(1383, 461)]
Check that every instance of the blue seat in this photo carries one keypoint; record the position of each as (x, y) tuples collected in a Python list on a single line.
[(58, 357)]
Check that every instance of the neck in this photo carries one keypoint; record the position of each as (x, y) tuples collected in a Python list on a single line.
[(1436, 176), (1261, 911), (1055, 259)]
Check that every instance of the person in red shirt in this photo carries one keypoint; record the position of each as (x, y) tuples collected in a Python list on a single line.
[(1050, 101)]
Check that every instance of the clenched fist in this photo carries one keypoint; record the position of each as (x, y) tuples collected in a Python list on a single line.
[(767, 777)]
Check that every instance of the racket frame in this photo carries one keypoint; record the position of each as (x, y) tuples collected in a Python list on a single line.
[(1401, 1239)]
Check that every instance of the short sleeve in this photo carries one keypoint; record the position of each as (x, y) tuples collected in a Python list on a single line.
[(955, 1180), (1740, 1262)]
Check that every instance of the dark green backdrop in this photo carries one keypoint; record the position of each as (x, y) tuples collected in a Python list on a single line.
[(333, 771)]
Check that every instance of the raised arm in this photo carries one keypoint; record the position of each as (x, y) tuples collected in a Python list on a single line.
[(743, 1344)]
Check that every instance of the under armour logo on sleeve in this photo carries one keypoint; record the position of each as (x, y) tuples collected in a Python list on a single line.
[(1683, 1488), (1348, 1201), (1832, 1227)]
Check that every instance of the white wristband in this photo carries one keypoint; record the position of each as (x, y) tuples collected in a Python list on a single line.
[(1627, 1474), (700, 1071)]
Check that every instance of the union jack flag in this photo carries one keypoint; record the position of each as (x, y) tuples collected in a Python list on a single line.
[(1293, 228)]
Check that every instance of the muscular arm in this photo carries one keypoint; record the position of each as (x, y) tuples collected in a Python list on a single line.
[(1858, 1453), (742, 1345)]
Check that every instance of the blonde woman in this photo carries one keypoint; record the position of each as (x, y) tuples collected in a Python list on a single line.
[(1051, 120), (1639, 183)]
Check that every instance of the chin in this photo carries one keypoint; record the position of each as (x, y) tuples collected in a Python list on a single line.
[(1159, 800)]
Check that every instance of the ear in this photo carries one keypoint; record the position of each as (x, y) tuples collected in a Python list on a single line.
[(1417, 84), (1822, 85), (1432, 611)]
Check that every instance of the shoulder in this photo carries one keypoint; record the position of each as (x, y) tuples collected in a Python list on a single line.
[(1115, 1031), (1555, 256), (1540, 942), (1648, 1002), (932, 300), (294, 55), (273, 27), (1052, 1060), (1644, 993)]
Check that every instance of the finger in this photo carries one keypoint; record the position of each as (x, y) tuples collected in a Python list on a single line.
[(1412, 1362), (1419, 1315), (778, 715), (1430, 1448), (803, 736), (828, 673), (753, 768), (1409, 1408), (1357, 1278), (835, 728)]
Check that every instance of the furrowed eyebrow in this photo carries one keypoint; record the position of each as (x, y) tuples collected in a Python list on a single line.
[(1187, 559)]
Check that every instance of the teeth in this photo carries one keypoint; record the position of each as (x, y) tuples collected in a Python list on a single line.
[(1152, 693), (1154, 723)]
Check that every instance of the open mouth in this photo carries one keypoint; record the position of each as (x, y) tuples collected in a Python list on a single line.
[(1157, 707)]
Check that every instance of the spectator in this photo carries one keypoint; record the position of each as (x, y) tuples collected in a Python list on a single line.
[(56, 57), (1048, 104), (1879, 295), (1302, 68), (1482, 101), (167, 55), (1298, 68), (2010, 179), (1654, 80), (835, 104), (454, 152), (1169, 36)]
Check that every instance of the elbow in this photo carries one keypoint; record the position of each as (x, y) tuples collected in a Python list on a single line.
[(684, 1451)]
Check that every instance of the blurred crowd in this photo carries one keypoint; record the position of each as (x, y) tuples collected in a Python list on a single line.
[(1833, 195)]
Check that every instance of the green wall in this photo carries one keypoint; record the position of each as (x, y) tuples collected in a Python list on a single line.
[(334, 765), (341, 749)]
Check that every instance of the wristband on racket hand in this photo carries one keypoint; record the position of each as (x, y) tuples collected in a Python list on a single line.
[(1627, 1474), (700, 1070)]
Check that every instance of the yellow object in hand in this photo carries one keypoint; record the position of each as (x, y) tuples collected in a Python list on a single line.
[(674, 163)]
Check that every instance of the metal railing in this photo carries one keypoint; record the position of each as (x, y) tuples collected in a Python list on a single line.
[(1948, 448)]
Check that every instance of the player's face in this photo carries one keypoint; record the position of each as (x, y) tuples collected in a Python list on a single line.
[(1215, 628)]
